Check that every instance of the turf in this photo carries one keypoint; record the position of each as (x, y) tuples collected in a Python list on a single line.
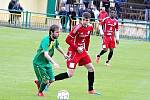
[(127, 79)]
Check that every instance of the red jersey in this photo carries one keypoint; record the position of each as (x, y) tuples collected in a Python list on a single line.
[(79, 37), (110, 25), (102, 14)]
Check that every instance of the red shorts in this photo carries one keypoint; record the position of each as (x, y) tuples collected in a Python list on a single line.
[(108, 42), (75, 57)]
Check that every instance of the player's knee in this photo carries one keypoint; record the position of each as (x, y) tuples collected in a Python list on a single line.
[(51, 81), (47, 81), (105, 49), (70, 74), (111, 50), (91, 69)]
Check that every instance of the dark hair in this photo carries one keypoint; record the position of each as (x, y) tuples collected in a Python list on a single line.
[(111, 11), (53, 28), (86, 15)]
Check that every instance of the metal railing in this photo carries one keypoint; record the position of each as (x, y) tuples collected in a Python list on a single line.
[(27, 19), (133, 11), (31, 20), (127, 29)]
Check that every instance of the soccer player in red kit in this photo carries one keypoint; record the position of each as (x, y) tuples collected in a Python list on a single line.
[(78, 40), (102, 14), (110, 36)]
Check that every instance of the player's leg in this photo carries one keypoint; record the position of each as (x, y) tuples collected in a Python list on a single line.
[(91, 79), (50, 73), (43, 78), (42, 87), (61, 76), (90, 69), (109, 56), (104, 49), (39, 79), (71, 65), (111, 49), (65, 75), (70, 71), (86, 61)]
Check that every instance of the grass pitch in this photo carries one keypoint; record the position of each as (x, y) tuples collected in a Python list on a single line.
[(127, 79)]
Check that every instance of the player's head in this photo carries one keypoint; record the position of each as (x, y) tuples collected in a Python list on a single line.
[(54, 31), (86, 18), (63, 8), (112, 13), (102, 8), (71, 8)]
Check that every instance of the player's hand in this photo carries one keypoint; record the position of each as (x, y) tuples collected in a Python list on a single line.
[(66, 56), (56, 65), (117, 41), (80, 49)]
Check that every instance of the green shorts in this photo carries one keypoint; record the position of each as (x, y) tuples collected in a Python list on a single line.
[(44, 72)]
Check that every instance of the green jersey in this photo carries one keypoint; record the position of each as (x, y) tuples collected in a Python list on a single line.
[(46, 45)]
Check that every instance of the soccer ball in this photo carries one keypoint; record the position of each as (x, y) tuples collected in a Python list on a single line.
[(63, 95)]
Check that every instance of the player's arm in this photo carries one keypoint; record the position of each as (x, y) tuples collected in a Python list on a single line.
[(117, 33), (71, 37), (117, 37), (47, 56), (62, 52), (101, 31), (87, 39), (100, 28)]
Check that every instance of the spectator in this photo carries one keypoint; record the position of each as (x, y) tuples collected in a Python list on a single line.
[(96, 12), (106, 4), (18, 9), (62, 3), (69, 3), (81, 10), (86, 3), (10, 8), (147, 10), (63, 15), (97, 3), (92, 19), (102, 14), (124, 0), (117, 7), (92, 14), (72, 16)]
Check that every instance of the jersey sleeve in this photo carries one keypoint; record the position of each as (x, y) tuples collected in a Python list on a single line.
[(71, 37)]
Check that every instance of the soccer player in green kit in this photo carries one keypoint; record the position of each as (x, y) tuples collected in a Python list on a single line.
[(43, 61)]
